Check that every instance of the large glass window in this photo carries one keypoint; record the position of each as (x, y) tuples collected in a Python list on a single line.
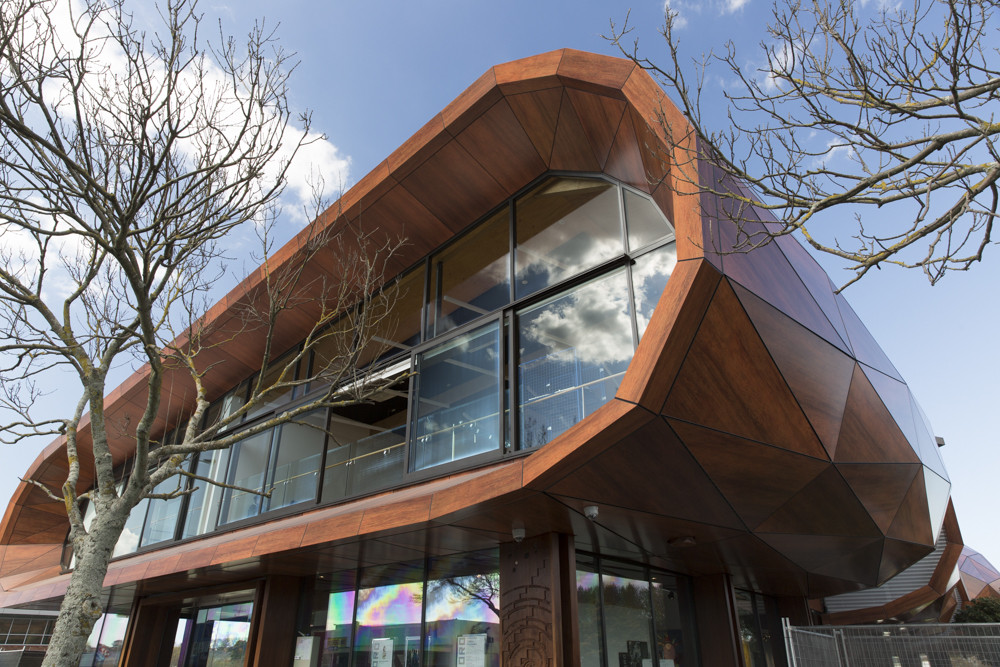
[(471, 277), (462, 622), (217, 637), (758, 630), (203, 503), (456, 399), (650, 273), (631, 616), (564, 226), (295, 472), (246, 475), (389, 611), (573, 351)]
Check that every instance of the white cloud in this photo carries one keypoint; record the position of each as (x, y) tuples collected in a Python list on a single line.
[(681, 10)]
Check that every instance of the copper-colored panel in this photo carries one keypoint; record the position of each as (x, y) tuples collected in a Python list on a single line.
[(946, 566), (398, 214), (755, 564), (473, 101), (538, 114), (453, 187), (912, 522), (595, 73), (625, 161), (880, 487), (571, 149), (818, 373), (865, 348), (897, 556), (19, 558), (163, 565), (756, 479), (424, 143), (372, 185), (729, 383), (826, 506), (765, 272), (600, 117), (669, 481), (332, 528), (896, 397), (282, 539), (868, 433), (815, 279), (853, 558), (655, 151), (34, 527), (671, 329), (529, 74), (503, 149), (496, 481), (394, 515)]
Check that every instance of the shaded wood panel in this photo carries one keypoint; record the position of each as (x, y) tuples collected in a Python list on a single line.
[(399, 215), (473, 101), (818, 373), (600, 117), (868, 433), (497, 140), (755, 479), (729, 382), (654, 152), (592, 72), (912, 522), (840, 557), (538, 115), (427, 141), (897, 556), (881, 487), (529, 74), (571, 149), (625, 160), (896, 397)]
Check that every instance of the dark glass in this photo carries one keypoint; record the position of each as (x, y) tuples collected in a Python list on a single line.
[(573, 352), (674, 636), (367, 440), (751, 641), (462, 622), (220, 635), (457, 399), (627, 614), (392, 320), (588, 600), (203, 503), (564, 226), (247, 470), (471, 277), (650, 273), (295, 470), (645, 222)]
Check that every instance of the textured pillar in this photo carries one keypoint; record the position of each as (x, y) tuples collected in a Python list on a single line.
[(537, 605)]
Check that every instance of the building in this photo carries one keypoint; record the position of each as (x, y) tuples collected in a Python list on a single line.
[(619, 442)]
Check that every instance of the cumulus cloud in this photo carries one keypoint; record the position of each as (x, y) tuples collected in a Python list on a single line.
[(681, 10)]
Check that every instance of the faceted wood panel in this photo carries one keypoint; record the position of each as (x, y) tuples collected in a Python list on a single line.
[(529, 74), (868, 433), (669, 480), (538, 114), (571, 149), (897, 556), (654, 150), (756, 479), (729, 383), (592, 72), (453, 187), (765, 272), (880, 487), (818, 373), (473, 101), (912, 523), (502, 148), (825, 506), (398, 211), (851, 558), (896, 397), (624, 161), (600, 117), (865, 348)]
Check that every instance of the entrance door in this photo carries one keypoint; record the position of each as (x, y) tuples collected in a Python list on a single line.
[(214, 636)]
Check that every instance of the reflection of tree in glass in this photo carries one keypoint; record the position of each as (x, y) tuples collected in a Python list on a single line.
[(482, 588), (534, 434)]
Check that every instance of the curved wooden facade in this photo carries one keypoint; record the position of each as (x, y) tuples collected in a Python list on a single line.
[(760, 437)]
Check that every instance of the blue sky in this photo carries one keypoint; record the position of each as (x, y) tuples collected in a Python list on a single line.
[(374, 72)]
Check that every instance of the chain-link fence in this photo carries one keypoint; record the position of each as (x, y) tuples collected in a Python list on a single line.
[(923, 645)]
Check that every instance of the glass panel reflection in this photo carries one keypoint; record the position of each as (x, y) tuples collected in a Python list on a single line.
[(463, 611), (219, 636), (296, 465), (247, 471), (644, 221), (128, 541), (650, 273), (388, 625), (471, 277), (457, 399), (574, 350), (627, 609), (564, 226), (161, 522), (588, 600), (203, 504)]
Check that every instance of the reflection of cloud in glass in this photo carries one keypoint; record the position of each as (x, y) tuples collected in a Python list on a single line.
[(457, 599), (571, 252), (592, 324), (389, 605), (649, 277)]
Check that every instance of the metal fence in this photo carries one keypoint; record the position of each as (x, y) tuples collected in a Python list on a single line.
[(918, 645)]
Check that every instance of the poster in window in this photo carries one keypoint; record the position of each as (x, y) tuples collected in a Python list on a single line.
[(382, 652), (471, 651)]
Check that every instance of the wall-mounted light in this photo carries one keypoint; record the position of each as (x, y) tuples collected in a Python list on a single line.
[(518, 534), (591, 512)]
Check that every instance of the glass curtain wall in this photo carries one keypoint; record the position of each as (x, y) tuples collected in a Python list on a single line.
[(760, 634), (497, 342), (632, 616), (442, 612)]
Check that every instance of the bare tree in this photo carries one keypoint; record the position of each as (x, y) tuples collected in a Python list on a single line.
[(886, 113), (125, 158)]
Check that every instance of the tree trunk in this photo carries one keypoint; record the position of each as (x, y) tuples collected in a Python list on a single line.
[(83, 604)]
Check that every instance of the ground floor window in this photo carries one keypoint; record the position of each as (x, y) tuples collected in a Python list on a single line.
[(104, 647), (760, 634), (444, 611), (633, 616), (212, 636)]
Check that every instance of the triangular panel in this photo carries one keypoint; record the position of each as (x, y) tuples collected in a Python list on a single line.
[(938, 491), (624, 161), (729, 382), (930, 453), (868, 433), (655, 159), (912, 522), (865, 348), (897, 556), (880, 487), (571, 149), (502, 147), (826, 506), (818, 373), (896, 397), (600, 117), (756, 479), (538, 114), (852, 558)]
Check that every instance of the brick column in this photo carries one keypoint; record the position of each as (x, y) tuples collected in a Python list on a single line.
[(537, 603)]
